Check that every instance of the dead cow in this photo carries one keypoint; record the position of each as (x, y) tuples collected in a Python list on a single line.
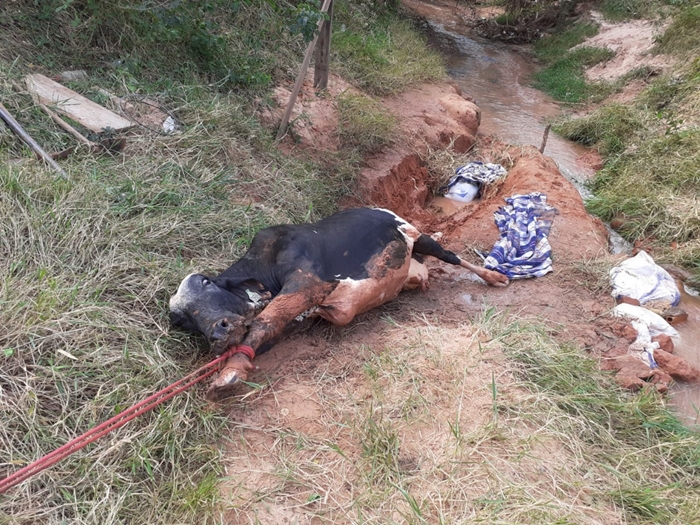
[(336, 268)]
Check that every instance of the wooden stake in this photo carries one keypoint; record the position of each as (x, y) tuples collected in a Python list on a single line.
[(300, 78), (544, 137), (19, 130), (323, 52)]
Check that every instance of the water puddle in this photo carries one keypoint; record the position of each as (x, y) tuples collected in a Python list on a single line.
[(497, 76)]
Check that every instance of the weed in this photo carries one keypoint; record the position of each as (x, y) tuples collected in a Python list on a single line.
[(570, 447), (380, 448), (683, 35), (87, 267), (619, 10), (386, 60), (554, 46)]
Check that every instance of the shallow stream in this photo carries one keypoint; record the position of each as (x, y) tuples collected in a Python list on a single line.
[(497, 76)]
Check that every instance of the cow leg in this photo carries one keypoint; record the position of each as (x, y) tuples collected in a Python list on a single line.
[(426, 245), (302, 290)]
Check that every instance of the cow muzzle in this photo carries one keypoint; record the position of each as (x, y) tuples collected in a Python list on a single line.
[(227, 332)]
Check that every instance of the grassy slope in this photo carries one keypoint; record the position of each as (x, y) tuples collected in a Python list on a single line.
[(650, 179)]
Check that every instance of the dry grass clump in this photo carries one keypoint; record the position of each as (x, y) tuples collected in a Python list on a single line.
[(486, 423)]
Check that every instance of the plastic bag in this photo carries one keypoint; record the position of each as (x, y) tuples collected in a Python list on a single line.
[(462, 191), (641, 278)]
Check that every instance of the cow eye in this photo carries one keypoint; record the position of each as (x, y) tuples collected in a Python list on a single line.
[(206, 282)]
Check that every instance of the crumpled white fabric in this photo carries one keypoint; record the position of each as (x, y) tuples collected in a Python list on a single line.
[(470, 178), (641, 278), (643, 347), (655, 323)]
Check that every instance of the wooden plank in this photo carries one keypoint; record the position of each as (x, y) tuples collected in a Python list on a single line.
[(66, 101), (323, 52), (300, 78)]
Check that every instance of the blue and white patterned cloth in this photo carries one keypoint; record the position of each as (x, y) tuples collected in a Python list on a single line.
[(470, 178), (523, 250)]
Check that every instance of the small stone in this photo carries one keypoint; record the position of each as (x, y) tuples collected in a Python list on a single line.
[(620, 348), (72, 76), (676, 366), (665, 342), (661, 380), (628, 300), (629, 333)]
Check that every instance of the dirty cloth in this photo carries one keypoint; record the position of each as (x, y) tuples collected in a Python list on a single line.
[(523, 250), (469, 179), (654, 322), (641, 278)]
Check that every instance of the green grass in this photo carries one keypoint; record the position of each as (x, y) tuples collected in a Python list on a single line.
[(364, 124), (651, 459), (483, 421), (608, 128), (240, 45), (87, 264), (555, 45), (683, 34), (650, 179), (654, 188), (621, 10), (386, 59), (86, 270), (563, 78)]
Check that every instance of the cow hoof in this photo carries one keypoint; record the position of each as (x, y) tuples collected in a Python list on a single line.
[(218, 393), (225, 385)]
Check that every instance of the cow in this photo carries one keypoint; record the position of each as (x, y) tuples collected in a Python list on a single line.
[(336, 268)]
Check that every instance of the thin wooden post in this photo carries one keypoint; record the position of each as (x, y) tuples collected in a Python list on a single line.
[(323, 52), (300, 77), (544, 137)]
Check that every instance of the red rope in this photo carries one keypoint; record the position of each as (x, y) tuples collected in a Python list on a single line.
[(117, 421)]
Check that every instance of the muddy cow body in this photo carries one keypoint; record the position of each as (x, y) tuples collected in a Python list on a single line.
[(336, 268)]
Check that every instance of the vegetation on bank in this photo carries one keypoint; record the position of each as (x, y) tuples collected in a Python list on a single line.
[(650, 181), (432, 424)]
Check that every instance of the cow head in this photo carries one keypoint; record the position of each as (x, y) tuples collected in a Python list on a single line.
[(218, 308)]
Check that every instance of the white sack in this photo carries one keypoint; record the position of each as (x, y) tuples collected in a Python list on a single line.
[(641, 278)]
